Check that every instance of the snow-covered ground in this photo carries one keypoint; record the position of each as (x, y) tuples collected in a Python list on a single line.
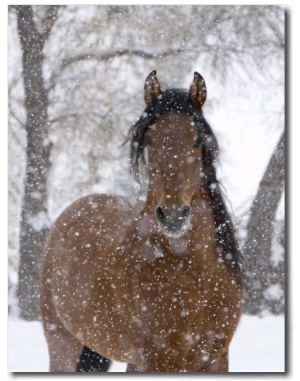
[(258, 346)]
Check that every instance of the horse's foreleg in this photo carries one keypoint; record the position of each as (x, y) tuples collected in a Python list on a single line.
[(91, 361), (216, 365), (131, 368), (64, 350), (207, 356)]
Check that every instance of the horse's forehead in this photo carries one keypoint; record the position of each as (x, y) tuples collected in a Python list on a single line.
[(174, 126)]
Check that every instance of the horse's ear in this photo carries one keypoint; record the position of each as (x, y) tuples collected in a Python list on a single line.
[(197, 92), (152, 88)]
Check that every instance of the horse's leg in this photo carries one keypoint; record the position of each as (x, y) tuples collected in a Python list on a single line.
[(91, 361), (131, 368), (216, 365), (64, 349), (207, 356), (67, 354)]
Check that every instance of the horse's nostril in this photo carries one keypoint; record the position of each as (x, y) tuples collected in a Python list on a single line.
[(165, 217), (160, 214), (186, 210)]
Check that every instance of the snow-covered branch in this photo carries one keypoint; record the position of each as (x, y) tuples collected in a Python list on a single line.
[(105, 56)]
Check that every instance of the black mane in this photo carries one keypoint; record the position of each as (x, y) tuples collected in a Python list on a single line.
[(178, 100)]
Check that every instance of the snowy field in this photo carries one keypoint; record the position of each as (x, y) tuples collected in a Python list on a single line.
[(258, 346)]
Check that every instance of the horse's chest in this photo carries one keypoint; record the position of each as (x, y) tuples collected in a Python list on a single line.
[(165, 297)]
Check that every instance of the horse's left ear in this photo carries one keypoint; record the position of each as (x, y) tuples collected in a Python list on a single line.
[(152, 88), (197, 92)]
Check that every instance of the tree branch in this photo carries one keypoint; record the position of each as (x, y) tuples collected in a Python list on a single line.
[(105, 56), (48, 21)]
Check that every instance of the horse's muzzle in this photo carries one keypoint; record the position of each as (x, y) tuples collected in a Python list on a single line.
[(174, 221)]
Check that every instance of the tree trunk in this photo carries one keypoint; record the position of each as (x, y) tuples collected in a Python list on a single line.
[(260, 272), (34, 215)]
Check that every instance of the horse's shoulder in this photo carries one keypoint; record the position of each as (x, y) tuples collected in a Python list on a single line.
[(96, 209), (110, 203)]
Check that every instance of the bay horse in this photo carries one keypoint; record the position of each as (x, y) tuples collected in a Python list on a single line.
[(158, 284)]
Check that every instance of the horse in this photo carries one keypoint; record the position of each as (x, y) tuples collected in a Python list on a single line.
[(156, 284)]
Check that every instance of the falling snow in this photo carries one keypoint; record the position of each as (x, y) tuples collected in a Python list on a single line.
[(92, 104)]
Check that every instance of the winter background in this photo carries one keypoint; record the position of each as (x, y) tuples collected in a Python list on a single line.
[(259, 345)]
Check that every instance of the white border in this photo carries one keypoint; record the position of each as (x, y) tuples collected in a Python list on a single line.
[(293, 65)]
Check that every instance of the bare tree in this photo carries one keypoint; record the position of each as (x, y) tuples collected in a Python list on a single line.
[(260, 272), (34, 215)]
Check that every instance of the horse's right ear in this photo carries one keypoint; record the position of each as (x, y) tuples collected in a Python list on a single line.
[(197, 92), (152, 88)]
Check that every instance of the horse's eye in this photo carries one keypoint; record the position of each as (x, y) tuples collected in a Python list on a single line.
[(150, 142)]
